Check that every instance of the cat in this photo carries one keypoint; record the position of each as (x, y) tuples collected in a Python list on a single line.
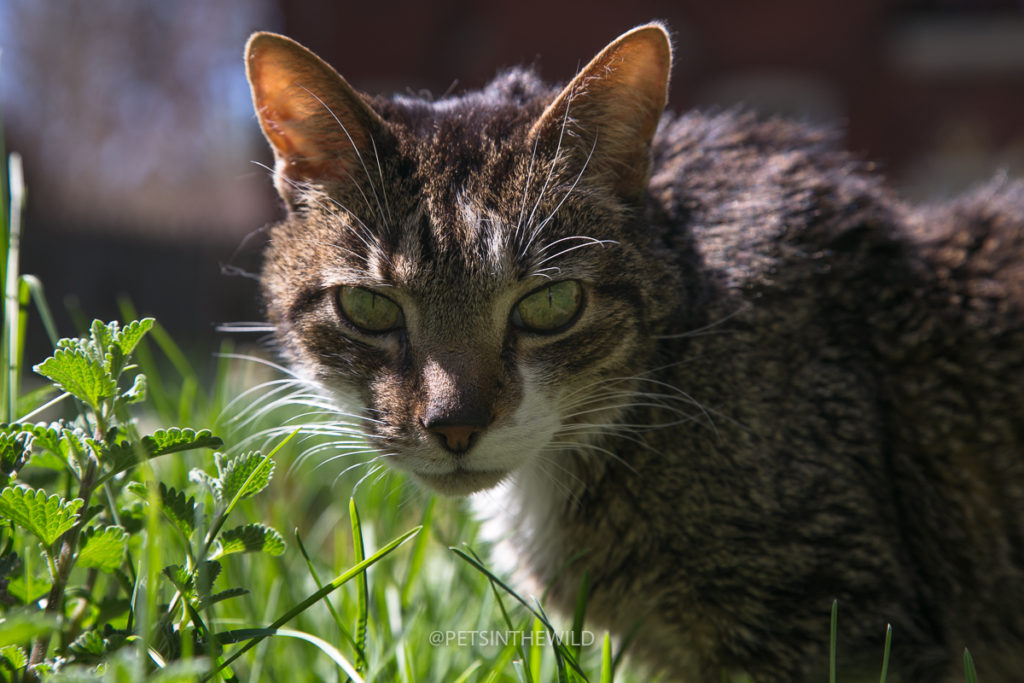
[(707, 361)]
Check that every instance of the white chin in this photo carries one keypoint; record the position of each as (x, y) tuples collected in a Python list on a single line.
[(462, 482)]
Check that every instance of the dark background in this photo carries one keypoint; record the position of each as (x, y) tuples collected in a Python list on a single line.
[(138, 139)]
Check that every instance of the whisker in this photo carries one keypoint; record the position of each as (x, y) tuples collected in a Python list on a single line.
[(706, 329), (383, 185), (554, 164), (244, 327), (579, 176), (589, 243), (526, 187), (354, 148)]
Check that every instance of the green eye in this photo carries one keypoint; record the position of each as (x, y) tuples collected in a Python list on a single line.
[(549, 308), (368, 310)]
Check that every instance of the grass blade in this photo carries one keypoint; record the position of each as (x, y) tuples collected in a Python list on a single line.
[(320, 584), (351, 671), (336, 583), (970, 673), (832, 642), (607, 668), (419, 551), (536, 653), (362, 592), (35, 287), (885, 653), (562, 653)]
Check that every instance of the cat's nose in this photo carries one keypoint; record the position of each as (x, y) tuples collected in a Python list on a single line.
[(458, 428), (456, 438)]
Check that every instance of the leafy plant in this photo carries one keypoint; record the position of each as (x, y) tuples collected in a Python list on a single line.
[(89, 528), (96, 523)]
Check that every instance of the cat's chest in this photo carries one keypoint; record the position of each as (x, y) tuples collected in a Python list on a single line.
[(551, 524), (549, 544)]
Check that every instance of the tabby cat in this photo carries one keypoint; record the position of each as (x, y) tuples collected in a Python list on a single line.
[(706, 360)]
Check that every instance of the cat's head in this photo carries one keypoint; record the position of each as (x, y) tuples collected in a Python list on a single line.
[(470, 276)]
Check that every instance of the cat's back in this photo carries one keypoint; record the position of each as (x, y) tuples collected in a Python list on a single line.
[(767, 208), (810, 257)]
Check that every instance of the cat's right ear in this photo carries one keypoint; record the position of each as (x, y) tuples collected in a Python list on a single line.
[(604, 120), (320, 129)]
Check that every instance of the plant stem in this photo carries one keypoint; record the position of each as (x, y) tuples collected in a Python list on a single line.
[(65, 561), (74, 629)]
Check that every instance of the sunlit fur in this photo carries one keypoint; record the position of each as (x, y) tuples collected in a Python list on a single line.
[(784, 387)]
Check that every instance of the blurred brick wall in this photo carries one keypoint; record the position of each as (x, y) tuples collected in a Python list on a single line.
[(934, 90)]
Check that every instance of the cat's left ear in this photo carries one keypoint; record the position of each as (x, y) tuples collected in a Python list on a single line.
[(606, 117)]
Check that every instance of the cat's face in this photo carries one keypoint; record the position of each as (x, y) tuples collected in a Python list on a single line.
[(467, 276)]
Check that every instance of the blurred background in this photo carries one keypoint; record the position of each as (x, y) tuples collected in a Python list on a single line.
[(139, 143)]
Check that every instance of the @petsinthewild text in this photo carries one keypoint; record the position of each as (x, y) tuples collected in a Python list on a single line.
[(485, 638)]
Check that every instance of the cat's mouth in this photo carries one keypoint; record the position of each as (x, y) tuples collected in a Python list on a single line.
[(462, 482)]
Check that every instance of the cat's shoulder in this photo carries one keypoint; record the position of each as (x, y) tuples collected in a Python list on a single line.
[(764, 196), (777, 204)]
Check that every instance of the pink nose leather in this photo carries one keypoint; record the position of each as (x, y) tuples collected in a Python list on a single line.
[(457, 438)]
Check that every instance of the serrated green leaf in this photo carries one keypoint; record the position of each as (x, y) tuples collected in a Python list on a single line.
[(15, 446), (173, 440), (114, 361), (13, 657), (90, 645), (128, 337), (102, 336), (122, 456), (244, 475), (48, 461), (72, 344), (207, 574), (250, 538), (73, 442), (73, 447), (186, 582), (179, 577), (108, 346), (180, 510), (46, 518), (45, 435), (103, 548), (78, 374)]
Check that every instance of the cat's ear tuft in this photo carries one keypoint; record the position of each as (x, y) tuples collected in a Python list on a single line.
[(612, 108), (319, 127)]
